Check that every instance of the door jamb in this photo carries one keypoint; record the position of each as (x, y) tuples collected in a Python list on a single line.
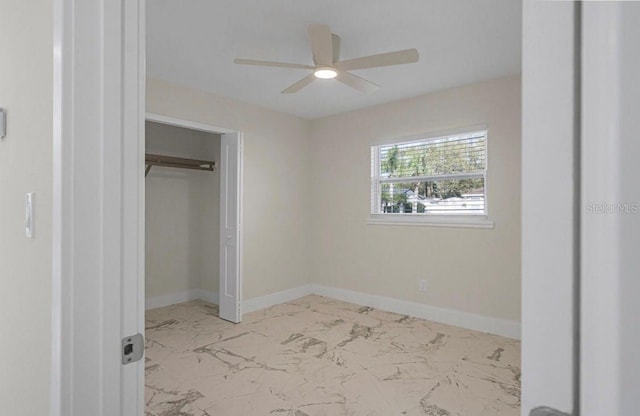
[(98, 106)]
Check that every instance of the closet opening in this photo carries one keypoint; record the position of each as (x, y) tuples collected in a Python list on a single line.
[(193, 245)]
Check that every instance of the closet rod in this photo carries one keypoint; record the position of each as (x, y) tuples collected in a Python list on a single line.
[(177, 162)]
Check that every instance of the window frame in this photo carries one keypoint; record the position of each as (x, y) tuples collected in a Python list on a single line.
[(466, 220)]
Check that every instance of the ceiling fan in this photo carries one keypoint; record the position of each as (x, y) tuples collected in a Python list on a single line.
[(325, 47)]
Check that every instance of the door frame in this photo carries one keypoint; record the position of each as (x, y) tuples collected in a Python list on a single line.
[(97, 278), (208, 128), (98, 262), (549, 231)]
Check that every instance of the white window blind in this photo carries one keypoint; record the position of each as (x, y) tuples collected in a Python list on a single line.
[(435, 176)]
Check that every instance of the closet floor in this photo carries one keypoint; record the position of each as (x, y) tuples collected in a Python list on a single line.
[(318, 356)]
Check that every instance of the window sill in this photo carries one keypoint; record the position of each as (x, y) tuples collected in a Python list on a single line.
[(429, 221)]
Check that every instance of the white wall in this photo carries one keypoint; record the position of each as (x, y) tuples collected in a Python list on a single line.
[(276, 182), (547, 205), (26, 91), (182, 213), (471, 270)]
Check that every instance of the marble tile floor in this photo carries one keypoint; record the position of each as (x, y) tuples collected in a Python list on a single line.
[(317, 356)]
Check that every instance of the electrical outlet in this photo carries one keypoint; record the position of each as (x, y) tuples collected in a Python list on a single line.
[(422, 285)]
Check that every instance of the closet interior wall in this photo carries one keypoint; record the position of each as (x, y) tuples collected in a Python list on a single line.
[(182, 214)]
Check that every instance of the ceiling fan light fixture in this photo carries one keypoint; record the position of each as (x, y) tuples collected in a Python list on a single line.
[(325, 72), (325, 49)]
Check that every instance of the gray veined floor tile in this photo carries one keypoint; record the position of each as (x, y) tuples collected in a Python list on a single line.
[(316, 356)]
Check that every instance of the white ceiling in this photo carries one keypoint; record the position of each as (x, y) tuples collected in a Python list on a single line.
[(193, 43)]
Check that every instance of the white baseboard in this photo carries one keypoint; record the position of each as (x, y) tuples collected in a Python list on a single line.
[(277, 298), (209, 296), (171, 298), (497, 326), (179, 297)]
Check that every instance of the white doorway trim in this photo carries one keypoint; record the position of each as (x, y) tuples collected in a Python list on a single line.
[(188, 124), (548, 232), (98, 239), (231, 307)]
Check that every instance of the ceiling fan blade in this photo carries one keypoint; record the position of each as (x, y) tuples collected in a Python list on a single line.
[(356, 82), (300, 84), (269, 63), (336, 47), (321, 44), (406, 56)]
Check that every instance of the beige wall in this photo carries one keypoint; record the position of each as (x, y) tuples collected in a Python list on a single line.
[(471, 270), (276, 217), (182, 213), (26, 91), (307, 201)]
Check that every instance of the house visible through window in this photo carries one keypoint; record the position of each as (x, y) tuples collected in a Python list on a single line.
[(438, 176)]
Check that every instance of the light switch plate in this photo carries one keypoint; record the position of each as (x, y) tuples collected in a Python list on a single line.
[(28, 215), (3, 123)]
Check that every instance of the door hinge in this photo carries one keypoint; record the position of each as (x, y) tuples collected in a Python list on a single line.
[(547, 411), (132, 349)]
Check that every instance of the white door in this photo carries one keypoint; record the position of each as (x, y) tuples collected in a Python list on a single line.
[(230, 215)]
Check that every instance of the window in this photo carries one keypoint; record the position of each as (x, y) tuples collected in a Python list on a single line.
[(439, 178)]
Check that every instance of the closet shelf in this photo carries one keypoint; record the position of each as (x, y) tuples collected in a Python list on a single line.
[(177, 162)]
